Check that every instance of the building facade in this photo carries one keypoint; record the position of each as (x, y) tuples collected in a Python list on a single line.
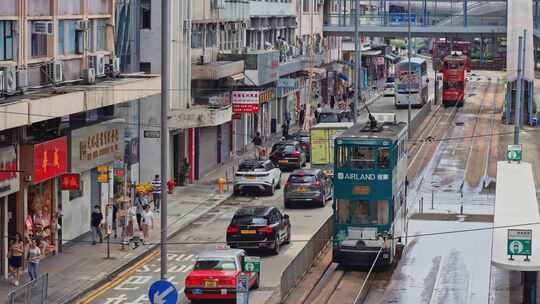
[(59, 117)]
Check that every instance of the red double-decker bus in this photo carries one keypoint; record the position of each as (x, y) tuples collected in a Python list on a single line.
[(454, 69)]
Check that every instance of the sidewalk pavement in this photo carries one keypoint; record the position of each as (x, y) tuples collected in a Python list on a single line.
[(81, 267)]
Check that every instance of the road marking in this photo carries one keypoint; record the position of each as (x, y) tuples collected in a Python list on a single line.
[(116, 281)]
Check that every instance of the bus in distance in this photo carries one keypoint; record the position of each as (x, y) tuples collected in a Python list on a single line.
[(411, 88)]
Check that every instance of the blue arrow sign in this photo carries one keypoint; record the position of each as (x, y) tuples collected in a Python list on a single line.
[(162, 292)]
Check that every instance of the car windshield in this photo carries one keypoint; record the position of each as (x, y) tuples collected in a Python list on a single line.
[(302, 179), (243, 220), (328, 117), (283, 148), (389, 85), (215, 264), (251, 166)]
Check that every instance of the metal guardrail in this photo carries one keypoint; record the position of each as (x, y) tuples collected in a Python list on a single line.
[(31, 292), (303, 261)]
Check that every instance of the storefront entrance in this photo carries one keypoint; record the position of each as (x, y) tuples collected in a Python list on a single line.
[(40, 222)]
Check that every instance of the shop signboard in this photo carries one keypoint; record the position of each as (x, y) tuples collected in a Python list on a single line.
[(266, 95), (50, 159), (9, 175), (245, 101), (70, 182), (96, 145)]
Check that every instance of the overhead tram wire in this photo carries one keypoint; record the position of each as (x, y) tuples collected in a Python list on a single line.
[(440, 233)]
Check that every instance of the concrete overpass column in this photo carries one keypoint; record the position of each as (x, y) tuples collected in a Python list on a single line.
[(465, 13)]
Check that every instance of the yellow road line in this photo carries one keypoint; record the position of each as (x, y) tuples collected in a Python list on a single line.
[(116, 281)]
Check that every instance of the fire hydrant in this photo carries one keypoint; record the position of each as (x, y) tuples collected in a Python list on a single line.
[(221, 184), (170, 186)]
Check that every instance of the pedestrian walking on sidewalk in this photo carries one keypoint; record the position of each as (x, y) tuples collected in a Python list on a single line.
[(131, 219), (156, 192), (285, 130), (96, 221), (16, 251), (34, 256), (301, 116), (139, 203), (147, 223), (257, 141)]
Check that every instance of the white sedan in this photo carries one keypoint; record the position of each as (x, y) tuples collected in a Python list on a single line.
[(389, 89)]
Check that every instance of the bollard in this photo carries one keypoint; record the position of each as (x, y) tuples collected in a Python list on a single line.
[(432, 198), (221, 184)]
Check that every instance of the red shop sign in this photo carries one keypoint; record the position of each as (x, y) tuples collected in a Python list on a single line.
[(245, 108), (50, 159), (70, 181)]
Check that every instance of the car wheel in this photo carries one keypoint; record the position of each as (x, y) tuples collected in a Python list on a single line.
[(257, 281), (288, 239), (287, 205), (275, 250), (272, 189)]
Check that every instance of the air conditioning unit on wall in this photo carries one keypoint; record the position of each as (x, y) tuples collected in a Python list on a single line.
[(55, 71), (83, 25), (97, 62), (42, 27), (10, 80)]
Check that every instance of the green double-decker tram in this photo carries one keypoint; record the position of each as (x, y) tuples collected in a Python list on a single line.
[(370, 171)]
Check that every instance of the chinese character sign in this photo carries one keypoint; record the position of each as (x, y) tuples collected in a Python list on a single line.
[(50, 159), (245, 101), (71, 181)]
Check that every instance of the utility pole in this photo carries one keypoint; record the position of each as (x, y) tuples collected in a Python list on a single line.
[(409, 67), (165, 91), (517, 98), (357, 61)]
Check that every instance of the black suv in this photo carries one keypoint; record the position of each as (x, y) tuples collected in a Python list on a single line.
[(259, 228), (304, 139), (288, 154)]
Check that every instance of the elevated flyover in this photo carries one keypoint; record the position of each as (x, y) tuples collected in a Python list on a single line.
[(429, 18)]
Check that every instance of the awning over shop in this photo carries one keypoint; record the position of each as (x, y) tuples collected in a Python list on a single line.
[(371, 53), (392, 58), (237, 77)]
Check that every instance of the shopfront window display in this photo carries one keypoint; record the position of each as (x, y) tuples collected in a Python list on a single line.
[(40, 223)]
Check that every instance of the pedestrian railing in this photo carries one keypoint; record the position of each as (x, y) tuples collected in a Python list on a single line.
[(31, 292)]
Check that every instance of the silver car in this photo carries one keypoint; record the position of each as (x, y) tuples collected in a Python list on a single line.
[(257, 176)]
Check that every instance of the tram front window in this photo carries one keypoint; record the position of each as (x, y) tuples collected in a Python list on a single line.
[(362, 157), (384, 158), (362, 212)]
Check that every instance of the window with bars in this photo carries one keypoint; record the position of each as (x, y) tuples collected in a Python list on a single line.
[(67, 37), (38, 42)]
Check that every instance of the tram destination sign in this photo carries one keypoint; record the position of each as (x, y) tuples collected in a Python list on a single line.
[(514, 152), (519, 242)]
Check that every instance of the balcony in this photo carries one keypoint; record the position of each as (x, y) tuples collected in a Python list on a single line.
[(216, 70)]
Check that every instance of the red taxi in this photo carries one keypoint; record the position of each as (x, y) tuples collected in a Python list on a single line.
[(214, 276)]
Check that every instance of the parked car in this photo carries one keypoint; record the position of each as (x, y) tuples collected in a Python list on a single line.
[(256, 176), (310, 186), (214, 276), (288, 154), (304, 138), (389, 89), (259, 228)]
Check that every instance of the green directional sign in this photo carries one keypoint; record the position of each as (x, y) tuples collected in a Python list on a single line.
[(519, 242), (252, 264), (513, 152)]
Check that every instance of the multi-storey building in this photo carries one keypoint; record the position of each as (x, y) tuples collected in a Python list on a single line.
[(63, 110), (139, 39)]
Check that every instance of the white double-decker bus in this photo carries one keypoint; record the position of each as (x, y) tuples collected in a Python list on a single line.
[(415, 84)]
